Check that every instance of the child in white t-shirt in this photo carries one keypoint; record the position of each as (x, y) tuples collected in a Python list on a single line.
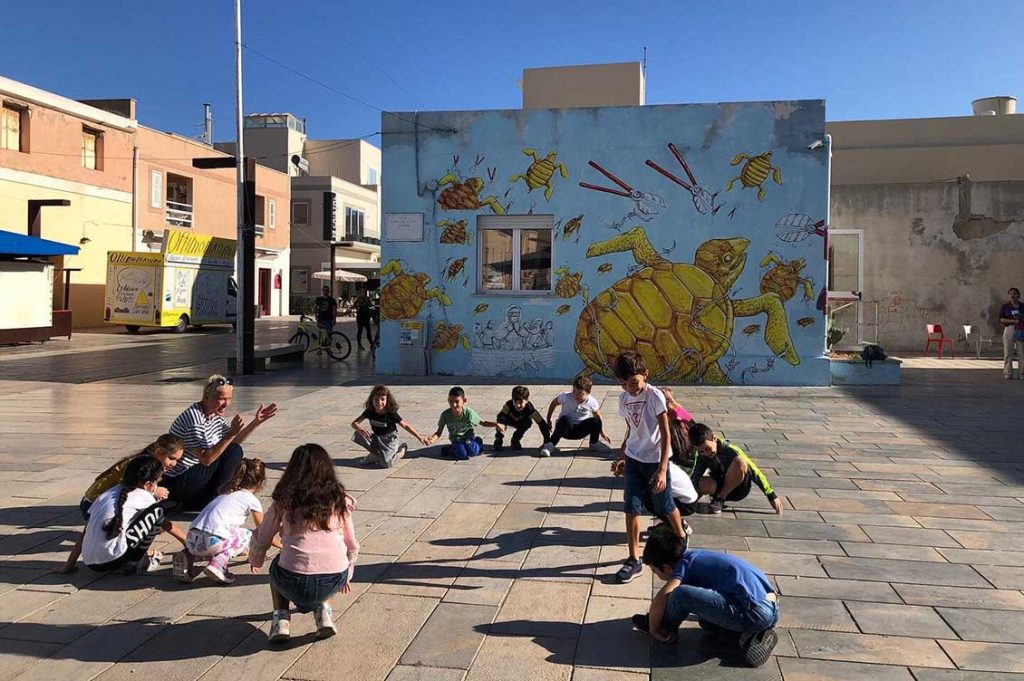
[(580, 417), (218, 533), (124, 520), (646, 452)]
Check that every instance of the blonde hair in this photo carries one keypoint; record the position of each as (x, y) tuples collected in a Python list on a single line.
[(215, 383)]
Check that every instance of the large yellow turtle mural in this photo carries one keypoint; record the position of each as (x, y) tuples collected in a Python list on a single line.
[(678, 316)]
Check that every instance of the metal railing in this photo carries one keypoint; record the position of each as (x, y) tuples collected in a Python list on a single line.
[(179, 214)]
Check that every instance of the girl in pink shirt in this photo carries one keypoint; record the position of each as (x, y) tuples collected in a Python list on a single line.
[(313, 515)]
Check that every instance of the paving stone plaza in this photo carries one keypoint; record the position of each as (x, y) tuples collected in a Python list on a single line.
[(899, 555)]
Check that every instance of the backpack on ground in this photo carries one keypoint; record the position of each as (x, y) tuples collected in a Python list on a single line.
[(872, 353)]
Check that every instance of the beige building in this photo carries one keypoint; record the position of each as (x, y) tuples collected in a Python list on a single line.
[(344, 175), (123, 184), (55, 149), (927, 221), (564, 87)]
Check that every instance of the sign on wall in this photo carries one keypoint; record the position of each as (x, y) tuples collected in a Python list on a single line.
[(403, 227), (330, 217)]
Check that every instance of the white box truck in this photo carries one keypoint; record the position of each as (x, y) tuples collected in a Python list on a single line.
[(189, 283)]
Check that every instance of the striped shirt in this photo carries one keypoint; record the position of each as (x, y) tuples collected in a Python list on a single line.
[(199, 432)]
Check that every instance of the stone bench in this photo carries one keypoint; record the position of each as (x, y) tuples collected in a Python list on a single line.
[(265, 354)]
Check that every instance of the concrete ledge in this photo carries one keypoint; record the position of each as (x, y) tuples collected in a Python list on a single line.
[(856, 372), (264, 354)]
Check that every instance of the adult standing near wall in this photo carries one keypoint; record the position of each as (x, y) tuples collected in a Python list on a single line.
[(212, 446), (1011, 314), (363, 315)]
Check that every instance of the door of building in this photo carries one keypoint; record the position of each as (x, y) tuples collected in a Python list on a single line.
[(846, 276), (264, 299)]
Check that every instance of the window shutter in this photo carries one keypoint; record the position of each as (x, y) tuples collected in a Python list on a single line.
[(156, 190)]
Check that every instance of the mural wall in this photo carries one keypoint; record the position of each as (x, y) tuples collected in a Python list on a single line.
[(691, 233)]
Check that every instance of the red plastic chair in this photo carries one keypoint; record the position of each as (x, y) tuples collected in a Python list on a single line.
[(935, 335)]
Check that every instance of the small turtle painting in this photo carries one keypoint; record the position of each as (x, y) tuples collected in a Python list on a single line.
[(604, 268), (783, 277), (755, 172), (446, 337), (569, 284), (751, 329), (482, 307), (454, 232), (562, 309), (453, 268), (804, 322), (405, 294), (541, 172), (571, 229), (465, 195)]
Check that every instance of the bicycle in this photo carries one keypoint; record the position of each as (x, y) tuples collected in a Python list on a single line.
[(335, 343)]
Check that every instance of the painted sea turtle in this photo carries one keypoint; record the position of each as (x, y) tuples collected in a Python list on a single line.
[(783, 277), (465, 195), (571, 229), (454, 232), (678, 316), (404, 296), (755, 172), (453, 267), (541, 171), (569, 284), (447, 337)]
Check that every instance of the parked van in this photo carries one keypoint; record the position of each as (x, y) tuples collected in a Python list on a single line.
[(189, 283)]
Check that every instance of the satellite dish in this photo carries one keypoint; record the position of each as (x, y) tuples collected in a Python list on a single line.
[(300, 163)]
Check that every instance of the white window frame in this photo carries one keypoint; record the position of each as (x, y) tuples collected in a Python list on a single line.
[(272, 213), (372, 175), (156, 189), (517, 224), (97, 150), (308, 206), (7, 134)]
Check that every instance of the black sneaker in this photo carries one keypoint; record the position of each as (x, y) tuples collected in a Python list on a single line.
[(642, 623), (516, 445), (498, 446), (715, 507), (757, 646), (629, 571)]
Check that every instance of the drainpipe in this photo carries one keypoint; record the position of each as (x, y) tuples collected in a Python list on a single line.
[(135, 195), (828, 225)]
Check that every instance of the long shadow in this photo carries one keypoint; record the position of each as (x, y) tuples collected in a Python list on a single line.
[(974, 413)]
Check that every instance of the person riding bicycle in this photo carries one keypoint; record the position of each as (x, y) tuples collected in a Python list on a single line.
[(326, 309)]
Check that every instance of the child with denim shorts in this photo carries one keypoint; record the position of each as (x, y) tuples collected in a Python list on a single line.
[(646, 452)]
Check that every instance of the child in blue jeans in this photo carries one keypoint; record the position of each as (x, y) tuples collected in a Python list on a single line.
[(460, 421), (729, 596)]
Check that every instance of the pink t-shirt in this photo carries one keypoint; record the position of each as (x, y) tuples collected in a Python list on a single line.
[(679, 414), (309, 551)]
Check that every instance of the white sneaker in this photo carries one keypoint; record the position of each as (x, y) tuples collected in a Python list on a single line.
[(548, 449), (222, 576), (149, 563), (323, 618), (280, 627)]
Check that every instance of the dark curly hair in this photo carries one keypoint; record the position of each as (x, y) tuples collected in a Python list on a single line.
[(309, 493), (378, 390)]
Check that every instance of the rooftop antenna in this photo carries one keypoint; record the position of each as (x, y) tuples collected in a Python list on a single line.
[(643, 64)]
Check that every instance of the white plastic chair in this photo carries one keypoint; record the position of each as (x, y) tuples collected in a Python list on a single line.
[(973, 334)]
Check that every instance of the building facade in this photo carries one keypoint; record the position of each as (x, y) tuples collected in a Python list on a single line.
[(172, 193), (335, 199), (928, 223), (540, 243), (55, 150)]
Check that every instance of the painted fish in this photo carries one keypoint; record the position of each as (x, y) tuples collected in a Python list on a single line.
[(482, 307), (805, 322), (604, 267), (753, 328), (562, 309)]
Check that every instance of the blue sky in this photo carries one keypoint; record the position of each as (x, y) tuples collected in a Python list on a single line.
[(868, 59)]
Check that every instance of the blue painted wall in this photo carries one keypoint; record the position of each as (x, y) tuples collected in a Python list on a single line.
[(720, 315)]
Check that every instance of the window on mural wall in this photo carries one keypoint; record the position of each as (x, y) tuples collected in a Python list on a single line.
[(515, 253)]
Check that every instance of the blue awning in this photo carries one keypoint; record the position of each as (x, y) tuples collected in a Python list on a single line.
[(22, 246)]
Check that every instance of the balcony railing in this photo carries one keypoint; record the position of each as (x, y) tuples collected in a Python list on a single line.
[(179, 214)]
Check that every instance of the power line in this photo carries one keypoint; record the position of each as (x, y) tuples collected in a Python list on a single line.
[(366, 57), (346, 95)]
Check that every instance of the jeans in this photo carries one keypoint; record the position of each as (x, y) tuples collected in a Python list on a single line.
[(197, 486), (305, 592), (638, 493), (1009, 345), (519, 428), (383, 449), (576, 431), (363, 326), (465, 448), (713, 607)]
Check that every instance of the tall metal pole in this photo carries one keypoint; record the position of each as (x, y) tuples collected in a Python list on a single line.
[(240, 319)]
